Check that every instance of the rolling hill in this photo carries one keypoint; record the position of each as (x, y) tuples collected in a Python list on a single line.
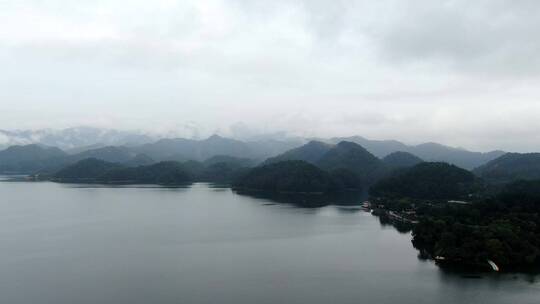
[(401, 160), (511, 167), (27, 158), (431, 152), (311, 152), (428, 181)]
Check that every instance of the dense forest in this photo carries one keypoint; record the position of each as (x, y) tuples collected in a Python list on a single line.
[(296, 176), (347, 156), (504, 229), (459, 221), (401, 159), (428, 181), (511, 167), (86, 169), (353, 157), (164, 173)]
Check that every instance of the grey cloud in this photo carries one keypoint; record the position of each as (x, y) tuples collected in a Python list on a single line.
[(472, 36), (417, 70)]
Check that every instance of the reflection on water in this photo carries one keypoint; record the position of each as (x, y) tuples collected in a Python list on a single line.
[(401, 227), (125, 186), (350, 198)]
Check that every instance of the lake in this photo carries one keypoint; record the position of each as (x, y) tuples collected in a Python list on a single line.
[(67, 244)]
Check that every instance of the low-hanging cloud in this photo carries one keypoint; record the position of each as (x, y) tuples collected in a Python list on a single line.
[(412, 70)]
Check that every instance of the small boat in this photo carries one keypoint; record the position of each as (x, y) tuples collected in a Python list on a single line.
[(366, 205), (440, 258), (493, 265)]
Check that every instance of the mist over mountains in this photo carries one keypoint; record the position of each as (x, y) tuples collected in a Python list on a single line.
[(427, 151), (123, 146), (73, 138), (346, 163)]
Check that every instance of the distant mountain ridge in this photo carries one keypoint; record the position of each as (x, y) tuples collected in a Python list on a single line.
[(311, 152), (79, 139), (430, 152), (23, 159), (294, 176), (73, 138), (355, 158), (181, 149), (342, 156), (401, 160), (119, 146), (428, 181), (511, 167)]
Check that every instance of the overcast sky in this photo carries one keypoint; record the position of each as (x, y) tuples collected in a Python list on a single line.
[(464, 73)]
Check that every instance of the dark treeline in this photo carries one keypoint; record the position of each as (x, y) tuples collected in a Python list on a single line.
[(163, 173), (428, 181), (461, 221), (504, 228), (298, 176), (328, 169)]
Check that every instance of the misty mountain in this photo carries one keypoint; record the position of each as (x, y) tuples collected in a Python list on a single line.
[(162, 173), (225, 146), (78, 150), (43, 159), (432, 152), (379, 148), (22, 159), (345, 155), (139, 160), (181, 149), (401, 159), (287, 176), (511, 167), (231, 160), (73, 137), (311, 152), (95, 170), (223, 172), (265, 148), (167, 172), (428, 181), (353, 157), (80, 139), (109, 154), (85, 169)]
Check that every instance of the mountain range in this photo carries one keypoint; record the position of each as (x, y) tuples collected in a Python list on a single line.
[(223, 156), (181, 149), (74, 138), (135, 148), (431, 152), (510, 167), (401, 159), (341, 156), (79, 139)]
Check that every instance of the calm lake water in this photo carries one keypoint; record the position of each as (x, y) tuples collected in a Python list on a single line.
[(70, 244)]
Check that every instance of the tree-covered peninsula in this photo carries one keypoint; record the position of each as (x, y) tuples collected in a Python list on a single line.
[(504, 229)]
